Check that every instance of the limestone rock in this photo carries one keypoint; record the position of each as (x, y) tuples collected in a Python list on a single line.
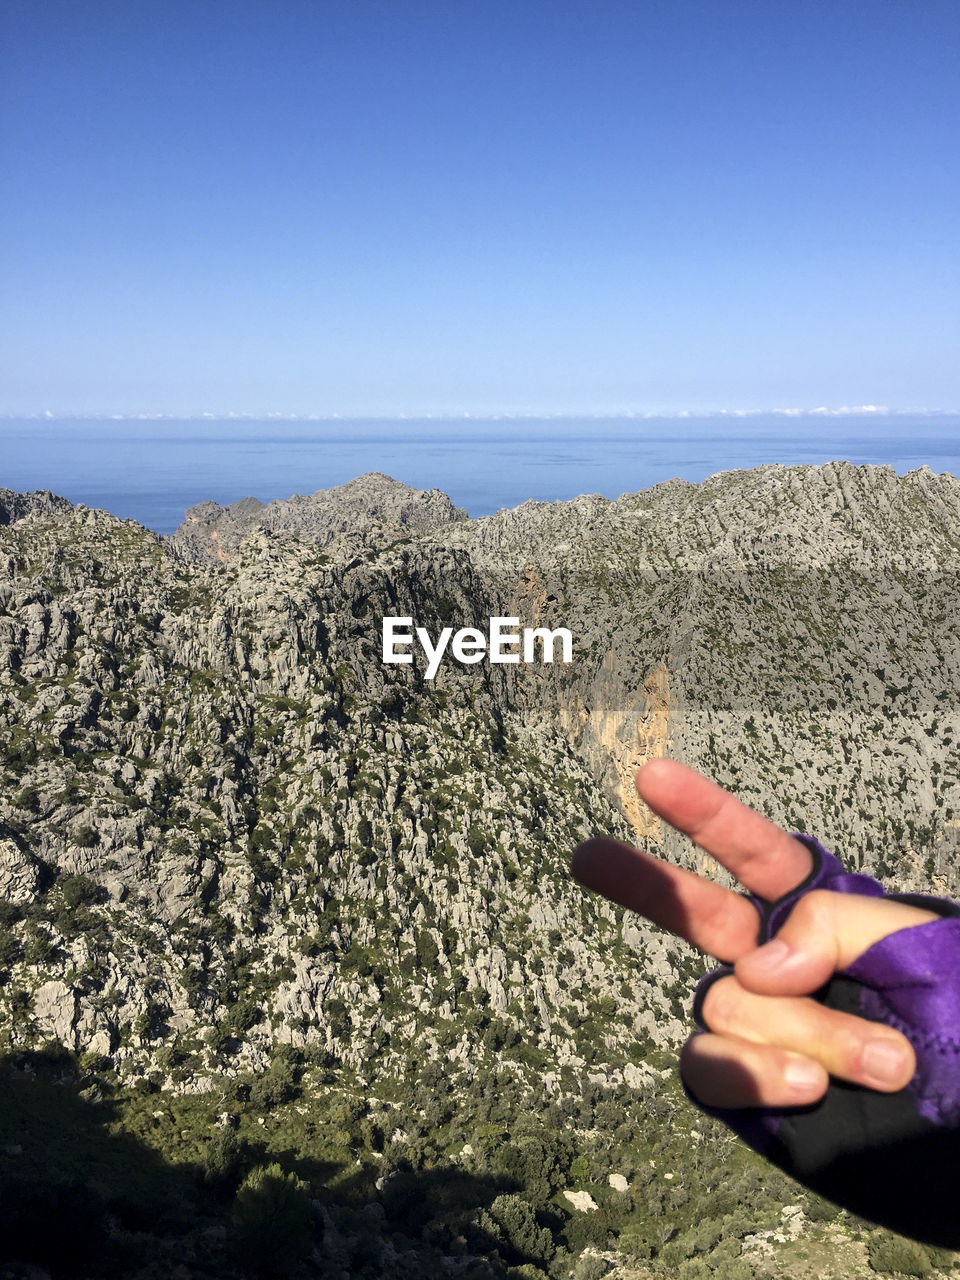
[(582, 1201), (233, 825), (54, 1010), (19, 874)]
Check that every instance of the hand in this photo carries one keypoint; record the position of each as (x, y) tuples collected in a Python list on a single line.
[(770, 1044)]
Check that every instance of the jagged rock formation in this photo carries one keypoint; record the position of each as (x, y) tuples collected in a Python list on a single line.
[(226, 825), (798, 624), (221, 753), (16, 506), (268, 834), (371, 508)]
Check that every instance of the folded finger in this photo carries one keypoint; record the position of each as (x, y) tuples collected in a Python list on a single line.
[(763, 857), (724, 1072), (850, 1048)]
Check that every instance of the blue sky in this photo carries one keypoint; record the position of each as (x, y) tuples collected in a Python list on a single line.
[(445, 206)]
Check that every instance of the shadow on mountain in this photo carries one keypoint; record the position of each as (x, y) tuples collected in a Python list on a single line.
[(75, 1191), (82, 1198)]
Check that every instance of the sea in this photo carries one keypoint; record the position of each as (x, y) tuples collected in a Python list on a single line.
[(154, 469)]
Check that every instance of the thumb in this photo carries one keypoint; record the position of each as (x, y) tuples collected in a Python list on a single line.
[(824, 932)]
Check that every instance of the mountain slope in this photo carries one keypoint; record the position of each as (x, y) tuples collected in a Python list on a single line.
[(244, 860)]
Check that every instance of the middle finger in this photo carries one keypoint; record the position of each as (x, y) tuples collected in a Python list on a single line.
[(763, 857)]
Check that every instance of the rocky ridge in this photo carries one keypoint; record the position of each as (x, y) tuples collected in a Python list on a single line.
[(228, 831), (16, 506), (370, 509)]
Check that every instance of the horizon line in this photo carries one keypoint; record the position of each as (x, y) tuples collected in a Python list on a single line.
[(466, 415)]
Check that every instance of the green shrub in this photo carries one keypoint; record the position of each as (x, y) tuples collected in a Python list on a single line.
[(78, 891), (583, 1229), (819, 1210), (521, 1230), (427, 950), (10, 913), (28, 798), (278, 1084), (890, 1253), (942, 1259), (634, 1243), (10, 948), (221, 1162), (272, 1222), (589, 1266)]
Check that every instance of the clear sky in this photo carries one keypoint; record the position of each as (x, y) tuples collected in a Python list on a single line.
[(489, 206)]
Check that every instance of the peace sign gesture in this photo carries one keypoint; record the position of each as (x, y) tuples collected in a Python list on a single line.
[(770, 1044)]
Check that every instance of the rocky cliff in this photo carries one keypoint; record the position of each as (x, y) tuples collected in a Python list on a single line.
[(229, 832), (373, 509)]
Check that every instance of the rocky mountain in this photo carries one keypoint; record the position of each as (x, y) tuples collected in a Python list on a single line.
[(275, 896), (14, 506), (373, 508)]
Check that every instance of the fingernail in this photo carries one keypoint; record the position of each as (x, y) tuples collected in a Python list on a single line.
[(803, 1076), (883, 1062), (771, 956)]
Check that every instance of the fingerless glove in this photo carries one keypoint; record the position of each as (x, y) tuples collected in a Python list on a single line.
[(888, 1157)]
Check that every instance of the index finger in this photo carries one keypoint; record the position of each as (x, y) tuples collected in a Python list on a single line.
[(714, 919), (762, 856)]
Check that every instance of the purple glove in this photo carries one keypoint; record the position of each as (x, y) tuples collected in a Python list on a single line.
[(888, 1157)]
